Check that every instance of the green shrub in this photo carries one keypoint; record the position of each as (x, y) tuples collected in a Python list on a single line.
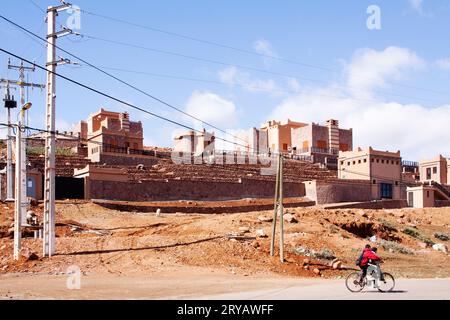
[(442, 236), (413, 232), (394, 246), (387, 224)]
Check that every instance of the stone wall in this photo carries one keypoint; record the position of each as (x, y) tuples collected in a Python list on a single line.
[(123, 159), (188, 190), (376, 205), (337, 191)]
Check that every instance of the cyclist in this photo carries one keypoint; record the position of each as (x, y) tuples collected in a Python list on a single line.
[(367, 255)]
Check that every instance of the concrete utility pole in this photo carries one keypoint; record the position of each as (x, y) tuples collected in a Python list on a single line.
[(50, 143), (18, 206), (21, 166), (10, 103), (278, 210)]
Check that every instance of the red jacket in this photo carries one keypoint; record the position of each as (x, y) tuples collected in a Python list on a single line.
[(368, 254)]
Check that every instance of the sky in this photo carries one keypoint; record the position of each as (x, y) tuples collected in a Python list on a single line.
[(252, 61)]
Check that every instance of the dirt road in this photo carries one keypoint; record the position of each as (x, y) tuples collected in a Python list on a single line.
[(406, 289), (208, 286)]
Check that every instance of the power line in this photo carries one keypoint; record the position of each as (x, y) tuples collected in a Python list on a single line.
[(116, 99), (122, 81), (217, 62), (217, 44)]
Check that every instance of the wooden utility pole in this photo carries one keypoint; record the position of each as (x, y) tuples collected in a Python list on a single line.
[(278, 210)]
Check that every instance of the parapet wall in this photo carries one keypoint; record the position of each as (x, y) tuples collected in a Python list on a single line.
[(188, 190), (338, 191)]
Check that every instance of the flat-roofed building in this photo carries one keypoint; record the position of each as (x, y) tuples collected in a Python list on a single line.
[(251, 141), (436, 169), (111, 132), (279, 134), (194, 142), (323, 142), (382, 168)]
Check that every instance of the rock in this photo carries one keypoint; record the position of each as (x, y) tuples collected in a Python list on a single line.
[(423, 245), (306, 261), (362, 213), (265, 219), (244, 229), (255, 244), (260, 233), (373, 239), (440, 247), (337, 265), (158, 212), (289, 218), (28, 255), (316, 271), (306, 267)]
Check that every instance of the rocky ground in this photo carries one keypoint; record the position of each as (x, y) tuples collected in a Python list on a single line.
[(107, 242)]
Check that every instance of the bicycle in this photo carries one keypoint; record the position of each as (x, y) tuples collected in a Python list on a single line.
[(354, 284)]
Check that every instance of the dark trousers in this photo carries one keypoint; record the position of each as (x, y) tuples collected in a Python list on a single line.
[(364, 271)]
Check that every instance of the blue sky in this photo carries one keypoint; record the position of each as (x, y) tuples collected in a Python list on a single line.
[(389, 85)]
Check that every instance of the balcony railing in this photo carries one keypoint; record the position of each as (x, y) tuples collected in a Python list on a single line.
[(330, 151), (410, 163)]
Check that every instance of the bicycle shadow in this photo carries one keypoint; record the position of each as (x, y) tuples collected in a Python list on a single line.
[(386, 292)]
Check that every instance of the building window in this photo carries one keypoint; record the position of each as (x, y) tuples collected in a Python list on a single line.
[(373, 160), (348, 163), (382, 160), (305, 145), (285, 146), (343, 146), (434, 170), (378, 160), (386, 190), (365, 160), (398, 162), (321, 144), (342, 163), (359, 161), (396, 183), (428, 194), (354, 162), (428, 173), (374, 181)]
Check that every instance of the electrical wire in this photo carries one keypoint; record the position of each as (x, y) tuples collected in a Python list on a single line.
[(217, 44), (122, 81)]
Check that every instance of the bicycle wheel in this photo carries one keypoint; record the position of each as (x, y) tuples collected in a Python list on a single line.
[(352, 282), (387, 284)]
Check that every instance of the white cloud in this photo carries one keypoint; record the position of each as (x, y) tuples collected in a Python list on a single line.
[(233, 76), (417, 131), (443, 64), (211, 108), (265, 48), (416, 5), (370, 69)]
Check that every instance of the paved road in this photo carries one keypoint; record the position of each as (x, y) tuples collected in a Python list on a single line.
[(406, 289)]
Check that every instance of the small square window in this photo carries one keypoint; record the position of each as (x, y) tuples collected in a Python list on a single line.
[(382, 160), (342, 163), (374, 181), (354, 162), (434, 169), (359, 161), (348, 163), (396, 183), (378, 160), (373, 160), (365, 160)]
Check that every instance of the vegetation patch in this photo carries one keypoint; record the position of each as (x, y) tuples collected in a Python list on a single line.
[(395, 247), (413, 232), (442, 236)]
